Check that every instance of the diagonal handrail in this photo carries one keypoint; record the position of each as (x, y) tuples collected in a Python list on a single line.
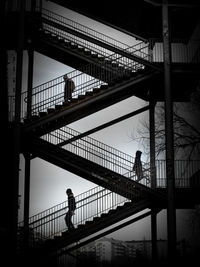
[(98, 152), (51, 93), (139, 49), (184, 168), (120, 162), (89, 204)]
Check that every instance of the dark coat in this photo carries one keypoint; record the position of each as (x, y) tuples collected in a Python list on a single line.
[(71, 202)]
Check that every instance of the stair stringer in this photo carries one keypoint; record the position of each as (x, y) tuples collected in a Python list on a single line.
[(89, 170), (53, 246), (92, 104)]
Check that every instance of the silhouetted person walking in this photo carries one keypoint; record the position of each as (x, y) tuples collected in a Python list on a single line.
[(69, 88), (137, 167), (71, 209)]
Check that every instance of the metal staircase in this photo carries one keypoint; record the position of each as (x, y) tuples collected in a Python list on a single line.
[(108, 79), (92, 160), (83, 42), (107, 71), (97, 209), (98, 85), (49, 111)]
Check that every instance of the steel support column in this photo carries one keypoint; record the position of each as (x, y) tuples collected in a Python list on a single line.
[(171, 212), (16, 130), (154, 234), (152, 142), (30, 81), (153, 178), (26, 198), (27, 155)]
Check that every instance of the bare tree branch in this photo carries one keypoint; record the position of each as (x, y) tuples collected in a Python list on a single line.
[(186, 132)]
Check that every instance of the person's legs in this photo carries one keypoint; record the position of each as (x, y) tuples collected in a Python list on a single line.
[(69, 94), (68, 220)]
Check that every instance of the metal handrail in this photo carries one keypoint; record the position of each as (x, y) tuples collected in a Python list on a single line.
[(92, 150), (119, 162), (90, 204), (88, 31), (51, 93), (98, 200)]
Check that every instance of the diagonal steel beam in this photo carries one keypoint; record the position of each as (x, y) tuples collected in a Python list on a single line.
[(98, 128)]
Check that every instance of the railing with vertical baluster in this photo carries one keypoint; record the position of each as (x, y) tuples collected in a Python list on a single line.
[(119, 162), (51, 93), (98, 200), (140, 48), (184, 170), (89, 204), (182, 51), (98, 152)]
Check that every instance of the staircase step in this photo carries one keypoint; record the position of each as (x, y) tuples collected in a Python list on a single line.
[(119, 208), (96, 90), (58, 107), (100, 58), (89, 93), (50, 110), (34, 117), (104, 86), (80, 49), (74, 100), (66, 104), (127, 204), (134, 74), (27, 120), (96, 219), (66, 43), (111, 211), (94, 55), (108, 62), (141, 71), (65, 233), (81, 226), (42, 114), (87, 52), (115, 65), (103, 215), (88, 222), (54, 37), (61, 40), (81, 97), (56, 237)]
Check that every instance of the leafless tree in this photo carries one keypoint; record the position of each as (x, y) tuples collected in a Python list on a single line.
[(186, 126)]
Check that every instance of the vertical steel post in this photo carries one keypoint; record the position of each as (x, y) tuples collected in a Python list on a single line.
[(171, 212), (26, 199), (16, 129), (27, 155), (152, 143), (30, 81), (153, 177), (154, 234)]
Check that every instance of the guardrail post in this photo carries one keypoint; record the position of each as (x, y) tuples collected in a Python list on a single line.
[(171, 212)]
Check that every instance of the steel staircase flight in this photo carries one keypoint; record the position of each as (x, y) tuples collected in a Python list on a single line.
[(108, 79), (111, 76), (92, 160), (114, 75), (87, 42), (49, 111), (96, 210)]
